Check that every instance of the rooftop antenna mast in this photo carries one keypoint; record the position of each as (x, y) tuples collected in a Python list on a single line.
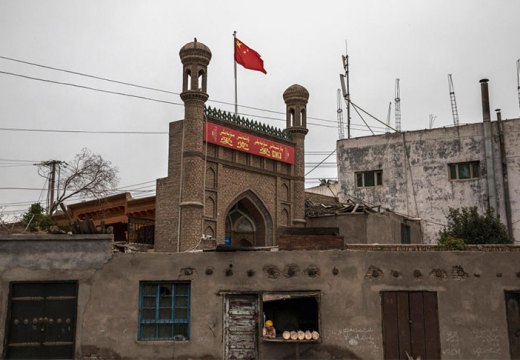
[(454, 111), (341, 133), (346, 89), (397, 102), (388, 115), (518, 79)]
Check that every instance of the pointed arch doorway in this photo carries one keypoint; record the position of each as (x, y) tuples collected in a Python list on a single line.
[(248, 222)]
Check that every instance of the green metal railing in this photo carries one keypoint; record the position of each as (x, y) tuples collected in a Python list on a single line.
[(246, 123)]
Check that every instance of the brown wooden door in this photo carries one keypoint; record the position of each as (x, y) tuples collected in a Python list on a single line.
[(410, 325), (513, 322)]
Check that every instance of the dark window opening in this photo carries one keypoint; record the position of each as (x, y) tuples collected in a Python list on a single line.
[(513, 322), (141, 231), (465, 170), (164, 311), (405, 234), (369, 178), (292, 312)]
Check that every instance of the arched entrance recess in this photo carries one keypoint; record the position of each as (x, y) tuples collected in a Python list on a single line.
[(248, 222)]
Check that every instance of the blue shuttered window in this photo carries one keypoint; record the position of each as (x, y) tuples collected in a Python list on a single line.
[(164, 311)]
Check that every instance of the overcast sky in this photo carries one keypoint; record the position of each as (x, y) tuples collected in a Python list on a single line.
[(301, 42)]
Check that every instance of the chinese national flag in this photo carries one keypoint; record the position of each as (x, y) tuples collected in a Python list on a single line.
[(247, 57)]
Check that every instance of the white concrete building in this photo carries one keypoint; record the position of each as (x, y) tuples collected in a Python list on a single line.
[(424, 173)]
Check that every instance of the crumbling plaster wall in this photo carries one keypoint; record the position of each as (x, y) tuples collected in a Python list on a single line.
[(416, 173), (470, 288), (471, 301), (372, 228), (36, 257)]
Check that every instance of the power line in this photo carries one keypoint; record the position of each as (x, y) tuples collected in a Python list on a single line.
[(88, 88), (18, 160), (132, 95), (14, 165), (321, 162), (145, 98), (87, 131), (145, 87)]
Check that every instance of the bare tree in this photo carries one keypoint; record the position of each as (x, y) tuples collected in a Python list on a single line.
[(87, 176)]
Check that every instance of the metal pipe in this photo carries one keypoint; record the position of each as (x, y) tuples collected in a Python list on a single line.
[(505, 177), (488, 147)]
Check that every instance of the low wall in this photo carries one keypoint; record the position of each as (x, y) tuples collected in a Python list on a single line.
[(470, 289)]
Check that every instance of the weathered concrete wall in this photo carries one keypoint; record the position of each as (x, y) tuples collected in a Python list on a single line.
[(470, 289), (358, 228), (35, 257), (416, 172), (352, 227)]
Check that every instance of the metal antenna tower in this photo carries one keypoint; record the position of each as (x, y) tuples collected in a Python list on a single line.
[(340, 117), (397, 102), (518, 79), (388, 115), (346, 89), (454, 110)]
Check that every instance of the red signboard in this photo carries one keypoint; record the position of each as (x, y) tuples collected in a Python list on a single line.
[(241, 141)]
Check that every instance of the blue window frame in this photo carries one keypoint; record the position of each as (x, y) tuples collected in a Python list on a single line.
[(164, 310)]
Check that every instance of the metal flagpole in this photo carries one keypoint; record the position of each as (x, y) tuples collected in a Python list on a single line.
[(234, 45)]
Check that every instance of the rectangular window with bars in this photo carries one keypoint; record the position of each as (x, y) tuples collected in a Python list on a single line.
[(164, 310), (465, 170)]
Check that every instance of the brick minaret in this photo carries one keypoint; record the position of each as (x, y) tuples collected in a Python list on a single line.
[(195, 58), (296, 97)]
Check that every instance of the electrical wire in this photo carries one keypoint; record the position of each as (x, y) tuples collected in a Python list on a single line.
[(321, 162), (160, 90), (89, 88), (87, 131), (363, 120), (138, 97), (145, 87)]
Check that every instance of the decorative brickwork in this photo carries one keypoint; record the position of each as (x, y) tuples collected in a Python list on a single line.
[(222, 193)]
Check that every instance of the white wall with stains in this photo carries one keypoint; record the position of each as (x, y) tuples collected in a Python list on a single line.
[(415, 168)]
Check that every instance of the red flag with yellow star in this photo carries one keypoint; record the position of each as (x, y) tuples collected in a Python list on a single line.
[(247, 57)]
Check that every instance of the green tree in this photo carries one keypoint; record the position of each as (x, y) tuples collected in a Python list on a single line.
[(473, 228), (35, 218)]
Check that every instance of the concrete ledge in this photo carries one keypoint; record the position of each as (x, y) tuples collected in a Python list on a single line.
[(425, 247), (56, 237)]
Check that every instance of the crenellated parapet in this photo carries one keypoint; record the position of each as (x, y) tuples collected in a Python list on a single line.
[(246, 123)]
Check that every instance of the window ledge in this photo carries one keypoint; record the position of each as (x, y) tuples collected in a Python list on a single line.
[(463, 180), (291, 341), (161, 342)]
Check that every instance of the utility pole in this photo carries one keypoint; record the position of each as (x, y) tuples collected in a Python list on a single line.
[(454, 110), (397, 102), (54, 166), (346, 89), (341, 133)]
